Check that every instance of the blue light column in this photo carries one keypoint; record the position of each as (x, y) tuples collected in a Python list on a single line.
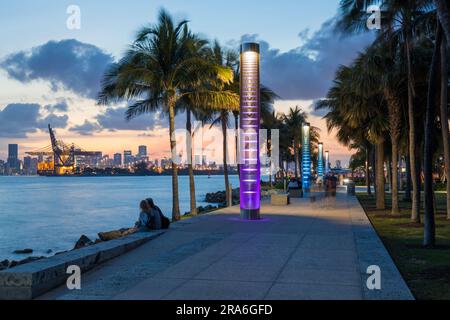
[(320, 162), (327, 162), (306, 157)]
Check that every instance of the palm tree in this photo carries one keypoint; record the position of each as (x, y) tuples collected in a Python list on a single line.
[(444, 116), (399, 22), (429, 221), (357, 111), (443, 11), (295, 120), (162, 67)]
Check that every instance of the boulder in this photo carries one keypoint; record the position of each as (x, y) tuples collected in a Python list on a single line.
[(111, 235), (84, 241), (24, 251), (4, 265)]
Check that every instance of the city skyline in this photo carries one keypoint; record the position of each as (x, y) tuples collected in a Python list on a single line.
[(37, 90)]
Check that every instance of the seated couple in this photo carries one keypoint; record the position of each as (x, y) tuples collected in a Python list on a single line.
[(151, 217)]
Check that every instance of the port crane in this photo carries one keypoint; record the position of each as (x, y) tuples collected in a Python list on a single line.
[(62, 156)]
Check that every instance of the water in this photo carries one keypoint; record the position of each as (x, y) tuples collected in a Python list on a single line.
[(44, 213)]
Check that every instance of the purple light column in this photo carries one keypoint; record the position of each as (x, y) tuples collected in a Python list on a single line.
[(249, 133)]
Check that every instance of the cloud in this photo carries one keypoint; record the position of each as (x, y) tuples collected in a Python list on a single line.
[(87, 128), (66, 64), (306, 72), (17, 120), (61, 106)]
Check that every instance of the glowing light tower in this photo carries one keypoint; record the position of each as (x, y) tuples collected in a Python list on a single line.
[(327, 162), (320, 162), (306, 157), (250, 175)]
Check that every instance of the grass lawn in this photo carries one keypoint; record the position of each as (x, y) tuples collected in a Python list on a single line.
[(427, 271)]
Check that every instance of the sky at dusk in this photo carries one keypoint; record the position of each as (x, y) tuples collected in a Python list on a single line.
[(50, 74)]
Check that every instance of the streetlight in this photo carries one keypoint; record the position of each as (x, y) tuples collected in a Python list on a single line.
[(306, 157), (250, 168), (320, 162)]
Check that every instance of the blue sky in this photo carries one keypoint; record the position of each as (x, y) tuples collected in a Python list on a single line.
[(41, 67), (111, 24)]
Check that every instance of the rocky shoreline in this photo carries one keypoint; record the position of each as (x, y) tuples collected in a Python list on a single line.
[(84, 241)]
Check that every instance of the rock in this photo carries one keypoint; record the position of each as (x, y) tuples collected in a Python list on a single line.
[(83, 242), (60, 252), (111, 235), (220, 197), (4, 265), (49, 251), (13, 263), (98, 241), (24, 251), (29, 259)]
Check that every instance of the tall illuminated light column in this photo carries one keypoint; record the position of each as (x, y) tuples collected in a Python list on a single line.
[(306, 157), (327, 162), (320, 162), (250, 174)]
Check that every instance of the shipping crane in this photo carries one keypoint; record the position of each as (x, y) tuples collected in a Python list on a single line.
[(59, 158)]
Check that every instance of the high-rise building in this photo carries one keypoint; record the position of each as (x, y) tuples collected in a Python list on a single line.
[(127, 157), (13, 158), (117, 159), (197, 160), (142, 151), (338, 164), (204, 161)]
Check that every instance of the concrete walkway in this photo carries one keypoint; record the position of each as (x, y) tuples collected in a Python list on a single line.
[(309, 250)]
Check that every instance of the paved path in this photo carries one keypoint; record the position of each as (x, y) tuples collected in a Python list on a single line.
[(309, 250)]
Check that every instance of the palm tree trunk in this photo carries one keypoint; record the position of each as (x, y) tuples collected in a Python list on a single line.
[(443, 12), (225, 156), (395, 206), (395, 120), (297, 161), (374, 165), (444, 117), (173, 146), (190, 165), (429, 223), (380, 199), (369, 190), (407, 197), (415, 178)]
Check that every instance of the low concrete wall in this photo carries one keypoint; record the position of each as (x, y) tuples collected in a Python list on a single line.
[(30, 280)]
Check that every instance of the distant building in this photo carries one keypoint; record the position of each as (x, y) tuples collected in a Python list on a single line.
[(13, 162), (30, 166), (127, 157), (142, 151), (117, 159), (204, 161), (197, 161), (2, 167), (338, 164)]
